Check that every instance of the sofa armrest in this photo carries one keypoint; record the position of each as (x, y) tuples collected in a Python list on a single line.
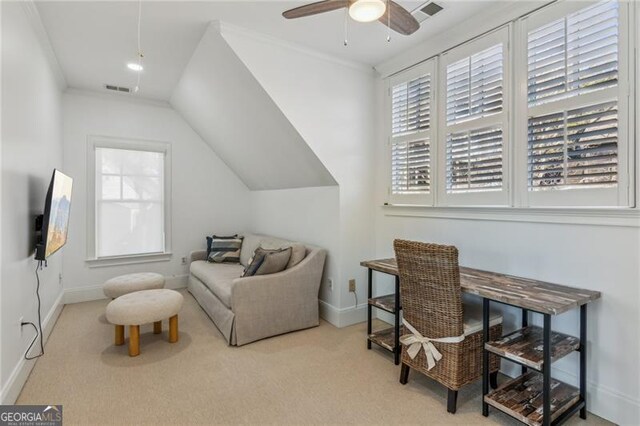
[(266, 305), (197, 255)]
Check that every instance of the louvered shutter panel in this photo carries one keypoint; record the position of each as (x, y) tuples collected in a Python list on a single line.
[(574, 148), (410, 167), (410, 106), (410, 141), (474, 160), (474, 85), (574, 55)]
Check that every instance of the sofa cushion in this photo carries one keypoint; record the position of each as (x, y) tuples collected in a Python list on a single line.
[(253, 241), (298, 253), (218, 277), (275, 261)]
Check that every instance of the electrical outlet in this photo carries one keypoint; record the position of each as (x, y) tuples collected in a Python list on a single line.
[(184, 260), (330, 284), (60, 278), (352, 285)]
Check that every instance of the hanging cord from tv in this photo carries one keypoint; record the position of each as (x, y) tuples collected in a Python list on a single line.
[(38, 329)]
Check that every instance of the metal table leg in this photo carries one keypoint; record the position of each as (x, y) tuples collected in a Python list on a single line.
[(396, 354), (583, 360), (546, 367), (370, 295), (485, 355), (525, 323)]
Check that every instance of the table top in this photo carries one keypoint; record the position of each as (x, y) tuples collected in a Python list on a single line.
[(539, 296)]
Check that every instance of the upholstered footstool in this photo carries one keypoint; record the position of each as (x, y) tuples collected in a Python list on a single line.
[(124, 284), (144, 307)]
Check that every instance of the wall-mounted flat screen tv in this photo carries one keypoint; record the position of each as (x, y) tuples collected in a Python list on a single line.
[(55, 220)]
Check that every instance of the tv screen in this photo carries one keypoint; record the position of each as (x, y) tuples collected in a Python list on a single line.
[(56, 215)]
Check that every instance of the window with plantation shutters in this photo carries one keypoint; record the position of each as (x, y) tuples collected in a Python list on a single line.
[(410, 141), (475, 124), (574, 121)]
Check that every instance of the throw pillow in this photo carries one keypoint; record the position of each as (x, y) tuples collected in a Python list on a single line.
[(298, 253), (224, 249), (258, 257), (210, 241), (275, 261)]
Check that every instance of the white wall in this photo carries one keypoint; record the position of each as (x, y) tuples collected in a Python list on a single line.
[(309, 215), (31, 149), (207, 197), (331, 105)]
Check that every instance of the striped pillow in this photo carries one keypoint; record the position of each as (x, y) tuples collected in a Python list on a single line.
[(224, 249)]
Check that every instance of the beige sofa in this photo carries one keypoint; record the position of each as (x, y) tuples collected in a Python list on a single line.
[(253, 308)]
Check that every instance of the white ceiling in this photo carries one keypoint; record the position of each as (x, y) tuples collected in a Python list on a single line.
[(93, 41)]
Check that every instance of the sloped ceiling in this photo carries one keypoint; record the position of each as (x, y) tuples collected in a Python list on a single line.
[(220, 98)]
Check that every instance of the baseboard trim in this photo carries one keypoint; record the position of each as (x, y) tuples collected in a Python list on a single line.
[(20, 373), (94, 292), (343, 317)]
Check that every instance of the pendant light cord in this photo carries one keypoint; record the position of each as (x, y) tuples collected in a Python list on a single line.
[(388, 21), (346, 26), (140, 55)]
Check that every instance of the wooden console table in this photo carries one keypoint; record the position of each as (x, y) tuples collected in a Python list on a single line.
[(534, 348)]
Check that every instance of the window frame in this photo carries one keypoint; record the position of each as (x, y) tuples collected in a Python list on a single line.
[(94, 142), (427, 199), (622, 196), (500, 197)]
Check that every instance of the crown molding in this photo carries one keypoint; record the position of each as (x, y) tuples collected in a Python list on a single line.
[(225, 28), (120, 97), (33, 16)]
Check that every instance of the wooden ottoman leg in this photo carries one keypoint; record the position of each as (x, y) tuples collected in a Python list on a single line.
[(157, 327), (119, 335), (134, 340), (173, 329)]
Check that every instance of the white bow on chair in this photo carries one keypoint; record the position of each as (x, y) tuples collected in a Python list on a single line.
[(415, 341)]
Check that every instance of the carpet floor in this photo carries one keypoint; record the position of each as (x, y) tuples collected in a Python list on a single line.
[(323, 375)]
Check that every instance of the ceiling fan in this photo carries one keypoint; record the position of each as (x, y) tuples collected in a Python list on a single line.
[(388, 12)]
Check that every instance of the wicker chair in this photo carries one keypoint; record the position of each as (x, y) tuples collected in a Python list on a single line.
[(431, 301)]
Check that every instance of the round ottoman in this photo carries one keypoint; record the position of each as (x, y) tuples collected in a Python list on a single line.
[(143, 307), (124, 284)]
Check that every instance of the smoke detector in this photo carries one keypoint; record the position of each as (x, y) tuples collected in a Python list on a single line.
[(427, 10), (115, 88)]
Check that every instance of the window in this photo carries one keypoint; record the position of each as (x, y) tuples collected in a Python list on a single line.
[(536, 113), (130, 200), (475, 129), (411, 141), (573, 103)]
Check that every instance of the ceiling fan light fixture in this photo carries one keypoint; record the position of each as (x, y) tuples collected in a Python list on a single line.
[(367, 10)]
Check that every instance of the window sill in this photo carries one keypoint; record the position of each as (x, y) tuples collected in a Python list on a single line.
[(625, 217), (128, 260)]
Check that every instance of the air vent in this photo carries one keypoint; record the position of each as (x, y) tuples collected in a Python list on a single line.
[(425, 11), (117, 88)]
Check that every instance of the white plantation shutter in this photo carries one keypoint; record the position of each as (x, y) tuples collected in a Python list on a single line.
[(475, 125), (410, 105), (574, 55), (410, 141), (474, 85), (574, 121), (474, 160), (410, 167)]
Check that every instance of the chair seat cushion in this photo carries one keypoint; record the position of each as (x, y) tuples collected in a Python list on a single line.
[(143, 307), (123, 284), (473, 318), (218, 277)]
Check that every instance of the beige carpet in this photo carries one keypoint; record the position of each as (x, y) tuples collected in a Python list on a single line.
[(317, 376)]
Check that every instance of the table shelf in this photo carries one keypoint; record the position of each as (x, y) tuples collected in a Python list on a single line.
[(384, 338), (386, 303), (521, 398), (524, 346)]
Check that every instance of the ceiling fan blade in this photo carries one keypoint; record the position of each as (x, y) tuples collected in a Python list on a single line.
[(315, 8), (401, 20)]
